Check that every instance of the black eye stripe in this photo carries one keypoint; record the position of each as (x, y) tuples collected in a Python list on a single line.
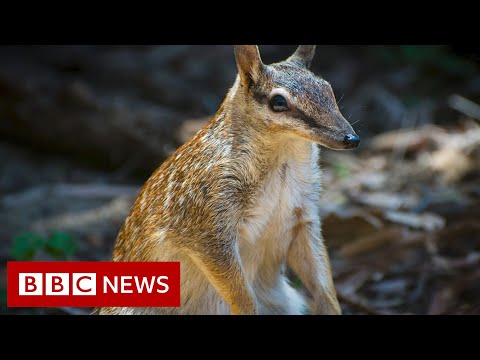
[(278, 103)]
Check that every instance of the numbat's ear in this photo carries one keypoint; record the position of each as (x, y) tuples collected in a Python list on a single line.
[(249, 63), (303, 56)]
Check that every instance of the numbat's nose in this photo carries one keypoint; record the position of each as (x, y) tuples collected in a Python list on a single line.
[(351, 141)]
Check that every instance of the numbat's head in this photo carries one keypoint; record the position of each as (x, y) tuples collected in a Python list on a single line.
[(288, 97)]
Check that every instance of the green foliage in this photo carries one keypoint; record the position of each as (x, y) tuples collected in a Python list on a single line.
[(25, 246), (341, 170), (58, 245)]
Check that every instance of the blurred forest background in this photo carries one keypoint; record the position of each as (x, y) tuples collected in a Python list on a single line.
[(82, 127)]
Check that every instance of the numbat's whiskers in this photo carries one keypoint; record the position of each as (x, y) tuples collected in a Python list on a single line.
[(238, 203)]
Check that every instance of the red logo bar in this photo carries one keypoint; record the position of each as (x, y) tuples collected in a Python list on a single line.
[(93, 284)]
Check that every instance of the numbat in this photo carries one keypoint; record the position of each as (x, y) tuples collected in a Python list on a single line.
[(238, 203)]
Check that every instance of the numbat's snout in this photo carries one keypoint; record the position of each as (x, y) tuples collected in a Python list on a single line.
[(238, 203)]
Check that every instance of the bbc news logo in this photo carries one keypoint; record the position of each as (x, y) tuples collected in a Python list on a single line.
[(31, 284), (93, 284), (58, 284)]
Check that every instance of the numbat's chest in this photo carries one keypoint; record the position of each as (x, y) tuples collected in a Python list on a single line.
[(277, 204)]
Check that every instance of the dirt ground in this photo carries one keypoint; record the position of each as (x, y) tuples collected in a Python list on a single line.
[(401, 215)]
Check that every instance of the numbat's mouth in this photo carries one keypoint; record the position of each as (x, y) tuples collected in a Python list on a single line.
[(336, 141)]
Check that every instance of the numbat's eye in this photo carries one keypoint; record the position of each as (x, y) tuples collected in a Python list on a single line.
[(278, 103)]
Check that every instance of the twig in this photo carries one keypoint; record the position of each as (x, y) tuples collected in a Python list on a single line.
[(356, 304), (465, 106), (68, 190), (443, 262), (115, 210)]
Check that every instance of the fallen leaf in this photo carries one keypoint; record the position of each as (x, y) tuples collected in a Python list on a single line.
[(370, 242), (386, 200), (391, 286), (341, 226), (451, 163), (354, 281), (371, 180), (425, 221), (408, 140)]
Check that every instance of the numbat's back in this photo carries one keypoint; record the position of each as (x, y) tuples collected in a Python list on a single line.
[(238, 203)]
